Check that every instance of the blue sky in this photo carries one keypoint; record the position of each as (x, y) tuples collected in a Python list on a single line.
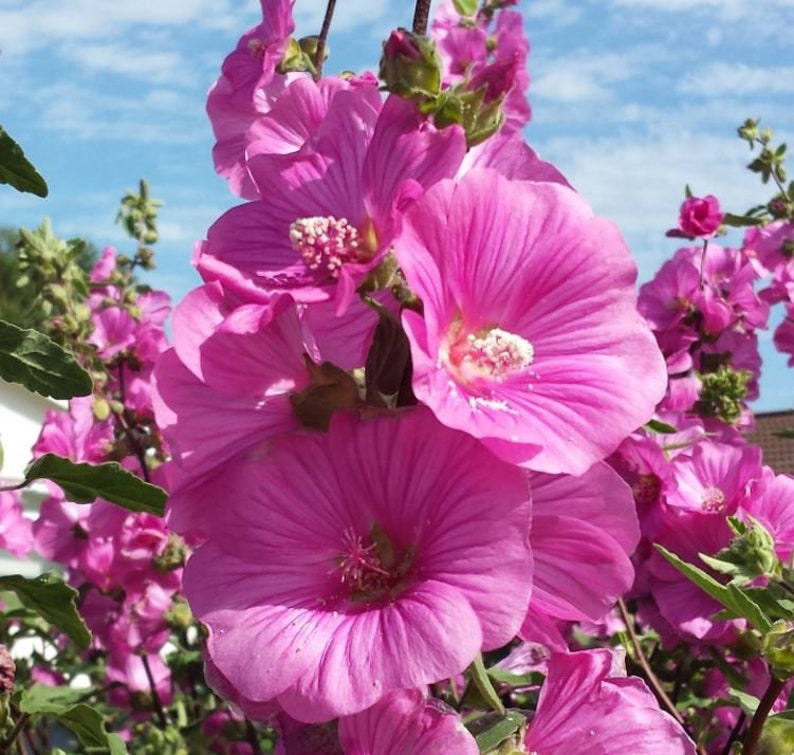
[(631, 99)]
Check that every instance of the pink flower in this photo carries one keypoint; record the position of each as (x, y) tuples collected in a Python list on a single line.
[(588, 704), (406, 721), (583, 531), (530, 338), (16, 534), (326, 218), (246, 89), (389, 535), (698, 218)]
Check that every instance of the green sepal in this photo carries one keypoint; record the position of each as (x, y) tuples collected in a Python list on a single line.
[(483, 683), (740, 221), (662, 428), (777, 737), (493, 729), (84, 483)]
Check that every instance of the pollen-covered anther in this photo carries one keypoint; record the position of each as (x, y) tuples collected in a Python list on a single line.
[(713, 500), (326, 242), (497, 352)]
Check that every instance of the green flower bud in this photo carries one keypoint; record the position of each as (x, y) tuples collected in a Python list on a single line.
[(410, 66), (778, 649)]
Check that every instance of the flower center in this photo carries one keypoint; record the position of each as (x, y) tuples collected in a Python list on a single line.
[(491, 352), (326, 243), (713, 500), (646, 489), (370, 567)]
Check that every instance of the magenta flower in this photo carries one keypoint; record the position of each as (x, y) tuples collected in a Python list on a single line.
[(16, 534), (327, 217), (247, 88), (583, 531), (406, 721), (588, 704), (698, 218), (350, 564), (530, 338)]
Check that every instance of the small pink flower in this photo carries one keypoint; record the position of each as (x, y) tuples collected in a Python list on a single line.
[(406, 721), (698, 218)]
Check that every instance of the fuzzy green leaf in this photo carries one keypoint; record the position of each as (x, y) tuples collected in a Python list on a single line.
[(84, 483), (16, 170), (41, 365), (465, 7), (50, 597), (656, 426), (729, 596), (85, 722), (740, 221)]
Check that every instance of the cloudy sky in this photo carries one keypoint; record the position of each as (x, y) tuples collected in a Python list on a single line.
[(632, 99)]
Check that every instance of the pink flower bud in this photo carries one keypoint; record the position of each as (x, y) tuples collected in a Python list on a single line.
[(700, 217)]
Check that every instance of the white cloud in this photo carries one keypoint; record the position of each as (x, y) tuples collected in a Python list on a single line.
[(581, 77), (639, 182), (735, 79), (154, 66)]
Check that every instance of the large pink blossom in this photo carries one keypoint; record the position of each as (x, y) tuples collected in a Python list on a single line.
[(325, 219), (529, 339), (359, 562), (588, 704)]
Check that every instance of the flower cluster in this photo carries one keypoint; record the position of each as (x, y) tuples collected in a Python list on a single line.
[(391, 398)]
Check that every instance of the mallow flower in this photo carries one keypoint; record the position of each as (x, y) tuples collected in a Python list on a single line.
[(529, 338), (383, 555)]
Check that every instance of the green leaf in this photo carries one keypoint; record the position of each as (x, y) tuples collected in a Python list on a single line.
[(656, 426), (480, 678), (85, 722), (84, 483), (729, 596), (465, 7), (740, 221), (50, 597), (502, 676), (492, 729), (41, 365), (748, 703), (777, 737), (17, 170)]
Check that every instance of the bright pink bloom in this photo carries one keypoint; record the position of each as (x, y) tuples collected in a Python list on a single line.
[(403, 722), (583, 531), (715, 478), (16, 534), (588, 704), (246, 89), (530, 339), (698, 218), (233, 370), (326, 218), (389, 535)]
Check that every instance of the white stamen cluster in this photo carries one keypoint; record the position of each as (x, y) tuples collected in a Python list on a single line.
[(713, 500), (498, 352), (325, 242)]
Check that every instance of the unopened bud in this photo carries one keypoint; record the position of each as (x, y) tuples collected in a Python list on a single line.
[(779, 649), (410, 66)]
